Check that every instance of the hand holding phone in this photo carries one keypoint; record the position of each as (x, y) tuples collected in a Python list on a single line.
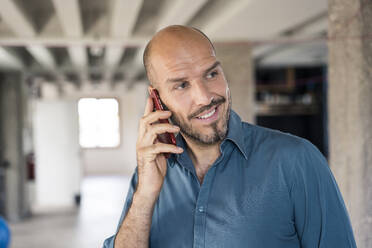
[(151, 153), (167, 138)]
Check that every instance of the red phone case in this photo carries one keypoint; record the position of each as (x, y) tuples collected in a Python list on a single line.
[(167, 138)]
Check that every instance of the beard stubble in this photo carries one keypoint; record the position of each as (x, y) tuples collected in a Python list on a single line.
[(218, 134)]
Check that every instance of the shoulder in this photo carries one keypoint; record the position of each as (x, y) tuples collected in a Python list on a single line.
[(277, 148), (259, 137)]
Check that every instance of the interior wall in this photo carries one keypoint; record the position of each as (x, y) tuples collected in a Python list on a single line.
[(57, 156), (122, 159), (60, 161)]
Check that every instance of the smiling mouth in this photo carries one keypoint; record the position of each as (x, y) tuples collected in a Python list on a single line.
[(211, 109), (207, 115)]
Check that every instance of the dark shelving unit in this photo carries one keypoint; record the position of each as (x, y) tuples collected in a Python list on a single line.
[(293, 100)]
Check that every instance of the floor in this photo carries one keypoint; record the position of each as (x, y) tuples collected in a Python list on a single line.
[(87, 226)]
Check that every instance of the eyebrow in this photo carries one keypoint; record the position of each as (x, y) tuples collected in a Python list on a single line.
[(217, 63), (175, 80), (181, 79)]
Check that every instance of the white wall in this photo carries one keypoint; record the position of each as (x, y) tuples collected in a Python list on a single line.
[(121, 160), (57, 153), (60, 162)]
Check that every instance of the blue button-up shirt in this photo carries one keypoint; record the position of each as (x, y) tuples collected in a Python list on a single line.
[(267, 189)]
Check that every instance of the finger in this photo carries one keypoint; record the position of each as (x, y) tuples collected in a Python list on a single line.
[(150, 118), (166, 148), (150, 153), (155, 116), (149, 106), (160, 128), (145, 121), (151, 135)]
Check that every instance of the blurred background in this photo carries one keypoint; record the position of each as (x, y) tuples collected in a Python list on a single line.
[(73, 87)]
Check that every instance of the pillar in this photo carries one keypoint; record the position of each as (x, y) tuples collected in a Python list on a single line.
[(350, 109), (237, 65), (11, 127)]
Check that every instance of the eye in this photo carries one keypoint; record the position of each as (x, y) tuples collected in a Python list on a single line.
[(213, 74), (182, 85)]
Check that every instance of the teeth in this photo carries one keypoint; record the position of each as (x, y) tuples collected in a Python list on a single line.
[(207, 115)]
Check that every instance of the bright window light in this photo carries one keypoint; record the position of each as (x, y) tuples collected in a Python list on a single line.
[(99, 122)]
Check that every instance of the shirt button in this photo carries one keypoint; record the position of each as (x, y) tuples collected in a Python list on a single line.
[(201, 209)]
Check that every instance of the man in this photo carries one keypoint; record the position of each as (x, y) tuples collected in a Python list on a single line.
[(227, 183)]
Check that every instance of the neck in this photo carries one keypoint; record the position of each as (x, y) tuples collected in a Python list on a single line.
[(202, 156)]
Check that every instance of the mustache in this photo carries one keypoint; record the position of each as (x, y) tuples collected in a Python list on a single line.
[(206, 107)]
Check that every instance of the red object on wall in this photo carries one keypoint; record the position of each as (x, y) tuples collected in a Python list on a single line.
[(30, 163)]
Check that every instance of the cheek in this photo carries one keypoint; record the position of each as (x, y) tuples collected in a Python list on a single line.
[(220, 88), (181, 106)]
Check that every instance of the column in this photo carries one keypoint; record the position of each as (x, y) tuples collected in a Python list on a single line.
[(237, 65), (11, 128), (350, 109)]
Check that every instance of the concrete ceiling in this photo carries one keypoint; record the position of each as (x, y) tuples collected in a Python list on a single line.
[(105, 39)]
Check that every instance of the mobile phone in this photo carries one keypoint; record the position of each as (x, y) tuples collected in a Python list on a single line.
[(167, 138)]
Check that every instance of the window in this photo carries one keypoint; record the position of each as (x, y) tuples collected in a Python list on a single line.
[(99, 122)]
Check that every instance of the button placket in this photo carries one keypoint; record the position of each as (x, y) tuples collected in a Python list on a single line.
[(201, 209)]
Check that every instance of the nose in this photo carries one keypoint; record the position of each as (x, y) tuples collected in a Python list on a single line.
[(201, 94)]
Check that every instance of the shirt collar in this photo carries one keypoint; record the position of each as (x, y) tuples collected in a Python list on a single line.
[(182, 158), (235, 134)]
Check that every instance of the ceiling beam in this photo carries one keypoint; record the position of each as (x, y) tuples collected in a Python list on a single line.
[(313, 28), (19, 23), (69, 14), (67, 41), (78, 55), (223, 12), (252, 19), (176, 12), (124, 14), (16, 19), (314, 53), (130, 41), (113, 55), (179, 12), (9, 60), (42, 55)]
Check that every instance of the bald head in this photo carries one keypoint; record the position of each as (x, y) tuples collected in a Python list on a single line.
[(170, 40)]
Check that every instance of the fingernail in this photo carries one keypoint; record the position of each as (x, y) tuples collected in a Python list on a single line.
[(180, 149)]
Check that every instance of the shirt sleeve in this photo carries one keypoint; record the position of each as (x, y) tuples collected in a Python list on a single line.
[(109, 242), (320, 215)]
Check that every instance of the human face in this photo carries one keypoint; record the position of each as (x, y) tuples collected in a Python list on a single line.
[(193, 87)]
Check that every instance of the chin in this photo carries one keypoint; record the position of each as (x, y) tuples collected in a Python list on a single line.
[(208, 131)]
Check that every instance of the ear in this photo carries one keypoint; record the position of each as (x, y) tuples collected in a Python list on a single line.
[(150, 88), (227, 92)]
